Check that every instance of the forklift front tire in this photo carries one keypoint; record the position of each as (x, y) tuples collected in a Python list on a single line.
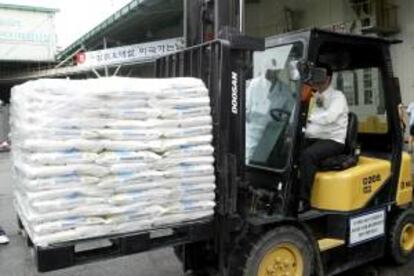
[(283, 251), (401, 239)]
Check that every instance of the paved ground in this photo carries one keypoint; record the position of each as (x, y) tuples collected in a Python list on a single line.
[(16, 259)]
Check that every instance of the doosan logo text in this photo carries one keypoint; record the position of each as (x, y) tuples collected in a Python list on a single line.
[(234, 93)]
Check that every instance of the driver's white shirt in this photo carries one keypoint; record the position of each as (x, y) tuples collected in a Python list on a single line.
[(330, 121), (261, 98)]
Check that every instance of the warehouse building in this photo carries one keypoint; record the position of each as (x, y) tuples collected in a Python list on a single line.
[(27, 40)]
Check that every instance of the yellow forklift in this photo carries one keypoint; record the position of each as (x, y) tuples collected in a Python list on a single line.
[(361, 200)]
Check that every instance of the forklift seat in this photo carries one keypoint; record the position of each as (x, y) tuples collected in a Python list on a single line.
[(349, 157)]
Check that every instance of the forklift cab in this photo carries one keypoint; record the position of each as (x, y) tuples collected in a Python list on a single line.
[(278, 100), (260, 103)]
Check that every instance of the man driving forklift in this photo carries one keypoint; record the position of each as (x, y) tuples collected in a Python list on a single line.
[(325, 133)]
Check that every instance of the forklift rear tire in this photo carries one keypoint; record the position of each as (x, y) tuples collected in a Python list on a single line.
[(282, 251), (401, 239)]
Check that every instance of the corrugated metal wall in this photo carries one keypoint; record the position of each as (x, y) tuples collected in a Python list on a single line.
[(403, 54), (265, 17)]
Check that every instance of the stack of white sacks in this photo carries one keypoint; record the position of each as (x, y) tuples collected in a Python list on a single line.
[(111, 155)]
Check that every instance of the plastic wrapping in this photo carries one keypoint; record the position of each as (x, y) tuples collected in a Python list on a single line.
[(111, 155)]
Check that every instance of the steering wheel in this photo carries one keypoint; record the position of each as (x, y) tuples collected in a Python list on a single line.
[(279, 114)]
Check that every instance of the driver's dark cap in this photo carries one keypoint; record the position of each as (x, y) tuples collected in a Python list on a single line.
[(328, 68)]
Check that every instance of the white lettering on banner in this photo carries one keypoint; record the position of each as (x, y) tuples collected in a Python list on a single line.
[(136, 52), (367, 227)]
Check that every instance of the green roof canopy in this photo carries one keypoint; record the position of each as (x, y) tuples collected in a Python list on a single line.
[(132, 24), (27, 8)]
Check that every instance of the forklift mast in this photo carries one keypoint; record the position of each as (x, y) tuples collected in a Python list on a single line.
[(221, 56), (223, 66), (205, 20)]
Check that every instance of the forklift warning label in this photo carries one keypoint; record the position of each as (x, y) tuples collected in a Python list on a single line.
[(367, 227)]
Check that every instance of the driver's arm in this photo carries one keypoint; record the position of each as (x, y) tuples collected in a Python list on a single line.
[(337, 107)]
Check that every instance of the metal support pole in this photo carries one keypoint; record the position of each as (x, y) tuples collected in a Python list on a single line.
[(96, 73), (106, 67), (117, 70), (242, 11), (185, 22)]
